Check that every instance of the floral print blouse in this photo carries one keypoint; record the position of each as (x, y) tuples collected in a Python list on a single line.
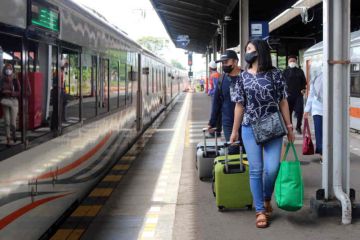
[(257, 94)]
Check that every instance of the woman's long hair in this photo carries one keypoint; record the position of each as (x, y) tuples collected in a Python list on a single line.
[(264, 56), (4, 69)]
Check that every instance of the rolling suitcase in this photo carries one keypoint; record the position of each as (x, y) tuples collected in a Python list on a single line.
[(205, 158), (231, 185)]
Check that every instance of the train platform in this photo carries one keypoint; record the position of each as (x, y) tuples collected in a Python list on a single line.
[(159, 196)]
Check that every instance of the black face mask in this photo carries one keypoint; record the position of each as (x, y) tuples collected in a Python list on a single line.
[(251, 57), (227, 69)]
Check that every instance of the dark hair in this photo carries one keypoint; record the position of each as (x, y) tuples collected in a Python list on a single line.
[(264, 56), (292, 56)]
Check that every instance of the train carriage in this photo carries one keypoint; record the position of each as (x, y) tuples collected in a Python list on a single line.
[(88, 91), (314, 59)]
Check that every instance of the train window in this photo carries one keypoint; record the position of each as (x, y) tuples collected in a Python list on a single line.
[(122, 85), (355, 80), (114, 83), (70, 88), (152, 80), (88, 86), (130, 84), (103, 86)]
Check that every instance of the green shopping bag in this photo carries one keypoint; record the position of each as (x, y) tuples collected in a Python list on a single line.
[(289, 187)]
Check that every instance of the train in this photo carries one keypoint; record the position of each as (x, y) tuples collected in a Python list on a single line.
[(88, 92), (313, 58)]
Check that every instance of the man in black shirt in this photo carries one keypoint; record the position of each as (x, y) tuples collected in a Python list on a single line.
[(296, 83)]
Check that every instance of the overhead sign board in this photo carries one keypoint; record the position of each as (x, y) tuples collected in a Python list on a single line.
[(259, 30), (182, 40), (44, 16)]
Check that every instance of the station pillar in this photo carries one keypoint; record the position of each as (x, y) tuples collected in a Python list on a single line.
[(244, 28)]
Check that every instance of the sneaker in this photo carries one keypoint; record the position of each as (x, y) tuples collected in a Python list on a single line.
[(298, 130)]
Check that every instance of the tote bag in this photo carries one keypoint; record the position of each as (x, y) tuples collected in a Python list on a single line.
[(308, 146), (289, 187)]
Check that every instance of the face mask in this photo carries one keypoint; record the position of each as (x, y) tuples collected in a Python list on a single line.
[(251, 57), (292, 65), (8, 72), (227, 69)]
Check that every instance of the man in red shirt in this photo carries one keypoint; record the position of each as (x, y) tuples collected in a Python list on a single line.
[(214, 78)]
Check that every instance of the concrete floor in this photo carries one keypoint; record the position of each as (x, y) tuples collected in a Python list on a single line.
[(162, 198)]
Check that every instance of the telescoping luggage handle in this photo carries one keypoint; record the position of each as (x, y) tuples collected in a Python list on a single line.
[(216, 143), (226, 147)]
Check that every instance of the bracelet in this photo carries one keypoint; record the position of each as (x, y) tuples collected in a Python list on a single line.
[(289, 126)]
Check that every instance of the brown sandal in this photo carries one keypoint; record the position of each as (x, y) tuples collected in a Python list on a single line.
[(261, 220)]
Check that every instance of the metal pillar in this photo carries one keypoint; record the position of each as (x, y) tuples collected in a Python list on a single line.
[(223, 36), (337, 51), (244, 28), (207, 70), (214, 43)]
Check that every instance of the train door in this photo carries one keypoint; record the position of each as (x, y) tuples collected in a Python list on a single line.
[(139, 102), (70, 85)]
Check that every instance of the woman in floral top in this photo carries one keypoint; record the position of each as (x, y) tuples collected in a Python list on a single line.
[(257, 97)]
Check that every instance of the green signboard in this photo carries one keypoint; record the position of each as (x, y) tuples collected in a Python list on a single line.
[(44, 17)]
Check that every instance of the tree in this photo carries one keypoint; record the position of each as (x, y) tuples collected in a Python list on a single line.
[(154, 44), (177, 64)]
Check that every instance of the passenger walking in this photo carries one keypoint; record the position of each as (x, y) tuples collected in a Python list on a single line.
[(222, 105), (258, 93), (9, 93), (314, 104), (296, 85)]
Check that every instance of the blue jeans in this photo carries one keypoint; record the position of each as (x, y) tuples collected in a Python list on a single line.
[(264, 162), (318, 133)]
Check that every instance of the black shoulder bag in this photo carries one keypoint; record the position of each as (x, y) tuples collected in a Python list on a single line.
[(270, 127)]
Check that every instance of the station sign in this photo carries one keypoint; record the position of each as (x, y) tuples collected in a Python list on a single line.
[(44, 16), (182, 40), (259, 30)]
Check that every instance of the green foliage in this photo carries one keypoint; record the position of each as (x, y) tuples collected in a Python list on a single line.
[(154, 44), (177, 64)]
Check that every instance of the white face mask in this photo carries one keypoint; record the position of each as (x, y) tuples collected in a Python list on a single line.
[(292, 65), (8, 72)]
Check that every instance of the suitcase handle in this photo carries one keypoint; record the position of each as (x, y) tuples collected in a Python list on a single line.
[(216, 143), (226, 146)]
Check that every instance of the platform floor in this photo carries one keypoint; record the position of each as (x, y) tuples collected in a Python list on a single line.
[(160, 197)]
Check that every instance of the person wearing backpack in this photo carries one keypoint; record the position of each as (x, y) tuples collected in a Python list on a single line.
[(222, 106), (9, 94)]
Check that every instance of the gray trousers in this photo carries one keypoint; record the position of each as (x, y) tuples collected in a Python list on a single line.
[(10, 108)]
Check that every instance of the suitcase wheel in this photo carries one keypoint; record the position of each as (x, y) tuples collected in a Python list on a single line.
[(221, 208), (249, 207)]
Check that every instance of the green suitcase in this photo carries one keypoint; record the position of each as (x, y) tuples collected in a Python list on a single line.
[(231, 182)]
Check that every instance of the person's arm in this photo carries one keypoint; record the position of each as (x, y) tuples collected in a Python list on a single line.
[(215, 108), (238, 116), (16, 93), (310, 99), (303, 81), (284, 109)]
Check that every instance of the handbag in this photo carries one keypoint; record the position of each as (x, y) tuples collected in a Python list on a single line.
[(308, 146), (289, 186), (271, 126)]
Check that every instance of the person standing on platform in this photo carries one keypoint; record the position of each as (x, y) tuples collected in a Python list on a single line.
[(9, 93), (214, 78), (213, 83), (314, 104), (259, 92), (222, 104), (296, 83)]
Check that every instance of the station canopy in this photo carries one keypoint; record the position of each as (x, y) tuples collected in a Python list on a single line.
[(198, 19)]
